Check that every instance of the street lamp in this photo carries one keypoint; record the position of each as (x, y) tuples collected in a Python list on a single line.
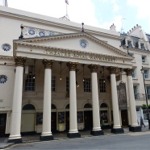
[(147, 111)]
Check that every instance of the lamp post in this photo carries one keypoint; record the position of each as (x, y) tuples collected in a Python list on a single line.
[(147, 111)]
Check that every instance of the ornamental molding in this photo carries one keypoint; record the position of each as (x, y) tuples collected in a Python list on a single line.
[(71, 35), (71, 53), (9, 58), (3, 79)]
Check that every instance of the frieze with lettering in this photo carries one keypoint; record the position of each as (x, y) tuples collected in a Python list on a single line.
[(81, 55)]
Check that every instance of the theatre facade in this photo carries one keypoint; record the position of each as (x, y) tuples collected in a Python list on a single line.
[(60, 76)]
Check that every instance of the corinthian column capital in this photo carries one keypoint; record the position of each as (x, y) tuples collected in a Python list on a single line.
[(93, 68), (20, 61), (129, 72), (47, 63), (113, 70), (72, 66)]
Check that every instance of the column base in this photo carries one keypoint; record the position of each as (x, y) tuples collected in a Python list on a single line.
[(19, 140), (117, 130), (73, 135), (135, 129), (97, 133), (46, 138)]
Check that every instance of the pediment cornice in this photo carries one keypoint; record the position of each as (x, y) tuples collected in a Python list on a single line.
[(72, 52), (68, 36)]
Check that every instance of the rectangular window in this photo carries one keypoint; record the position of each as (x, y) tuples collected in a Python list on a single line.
[(102, 85), (67, 84), (143, 59), (142, 46), (148, 92), (30, 79), (87, 85), (129, 44), (53, 83), (146, 74), (136, 94)]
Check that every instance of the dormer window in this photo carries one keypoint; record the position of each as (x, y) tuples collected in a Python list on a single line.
[(129, 44), (142, 46), (123, 42), (136, 44)]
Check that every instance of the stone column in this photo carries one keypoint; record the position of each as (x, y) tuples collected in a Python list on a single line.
[(15, 128), (116, 117), (95, 102), (134, 124), (46, 129), (73, 131)]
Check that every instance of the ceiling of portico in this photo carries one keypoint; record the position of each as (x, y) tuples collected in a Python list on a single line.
[(74, 45)]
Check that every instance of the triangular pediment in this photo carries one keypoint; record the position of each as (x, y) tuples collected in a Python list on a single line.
[(74, 42)]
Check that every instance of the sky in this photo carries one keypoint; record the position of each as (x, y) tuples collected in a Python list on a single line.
[(125, 14)]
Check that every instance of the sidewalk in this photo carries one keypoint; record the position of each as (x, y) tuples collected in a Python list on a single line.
[(57, 136), (4, 143)]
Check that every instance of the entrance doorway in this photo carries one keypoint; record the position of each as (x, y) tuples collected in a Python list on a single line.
[(88, 121), (88, 118), (2, 124), (53, 122), (53, 119), (124, 116), (28, 119), (67, 121), (104, 116)]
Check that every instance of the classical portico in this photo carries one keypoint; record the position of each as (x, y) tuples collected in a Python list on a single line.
[(73, 50)]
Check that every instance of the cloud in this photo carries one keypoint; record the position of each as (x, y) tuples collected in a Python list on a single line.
[(143, 13), (115, 6), (78, 10), (141, 6), (117, 21), (83, 11)]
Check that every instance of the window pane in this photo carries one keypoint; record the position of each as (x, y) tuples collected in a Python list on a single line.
[(87, 85), (53, 83), (67, 84), (148, 92), (102, 85), (146, 74)]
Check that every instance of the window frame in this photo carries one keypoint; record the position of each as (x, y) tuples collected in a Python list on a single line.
[(87, 85), (102, 85)]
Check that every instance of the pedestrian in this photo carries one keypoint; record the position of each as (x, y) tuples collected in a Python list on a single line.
[(142, 122)]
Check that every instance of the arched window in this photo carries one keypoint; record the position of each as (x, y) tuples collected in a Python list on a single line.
[(104, 105), (104, 114), (28, 107), (68, 106), (88, 105), (53, 106)]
